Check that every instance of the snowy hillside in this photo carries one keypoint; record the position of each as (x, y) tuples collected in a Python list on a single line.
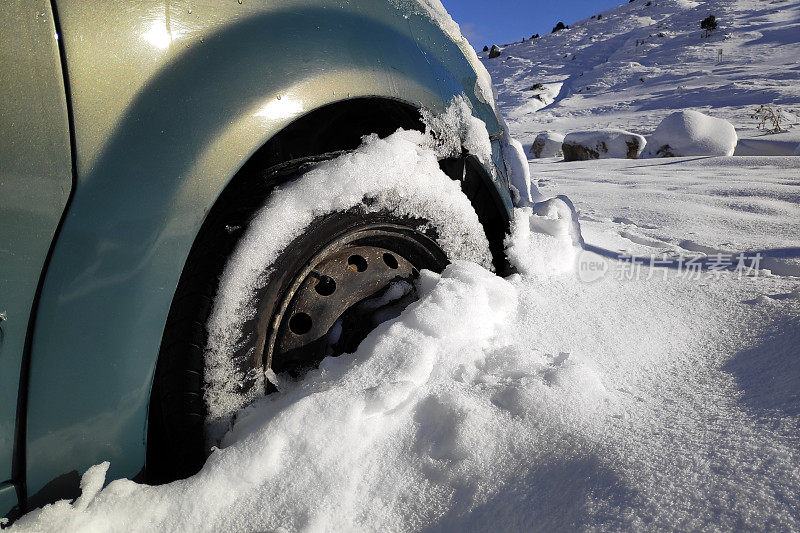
[(630, 66)]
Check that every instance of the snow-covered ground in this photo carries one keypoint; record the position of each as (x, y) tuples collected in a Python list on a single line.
[(594, 389), (648, 400), (689, 206)]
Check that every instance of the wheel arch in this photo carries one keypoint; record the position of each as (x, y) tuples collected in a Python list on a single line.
[(326, 132)]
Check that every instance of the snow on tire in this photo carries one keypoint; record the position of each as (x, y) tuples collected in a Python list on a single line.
[(397, 177)]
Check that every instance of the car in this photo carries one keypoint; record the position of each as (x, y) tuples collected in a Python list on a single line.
[(138, 140)]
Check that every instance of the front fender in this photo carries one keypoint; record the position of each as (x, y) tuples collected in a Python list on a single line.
[(167, 107)]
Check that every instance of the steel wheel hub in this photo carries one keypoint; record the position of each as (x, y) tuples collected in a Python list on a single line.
[(347, 288)]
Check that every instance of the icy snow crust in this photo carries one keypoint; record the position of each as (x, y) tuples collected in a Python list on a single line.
[(456, 129), (399, 174)]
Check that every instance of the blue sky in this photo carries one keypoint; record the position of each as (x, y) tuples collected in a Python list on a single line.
[(505, 21)]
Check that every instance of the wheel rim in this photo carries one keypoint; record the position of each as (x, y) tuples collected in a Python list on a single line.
[(344, 290)]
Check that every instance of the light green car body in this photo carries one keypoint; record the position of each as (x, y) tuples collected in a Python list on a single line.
[(121, 124)]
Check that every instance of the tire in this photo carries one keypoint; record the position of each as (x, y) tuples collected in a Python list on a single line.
[(315, 302)]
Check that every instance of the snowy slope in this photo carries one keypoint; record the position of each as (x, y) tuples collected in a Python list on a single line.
[(639, 62)]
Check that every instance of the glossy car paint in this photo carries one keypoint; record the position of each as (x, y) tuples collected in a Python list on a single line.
[(169, 100), (35, 181)]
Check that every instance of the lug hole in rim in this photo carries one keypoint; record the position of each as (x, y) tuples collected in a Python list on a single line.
[(325, 286), (390, 260), (300, 323), (356, 263)]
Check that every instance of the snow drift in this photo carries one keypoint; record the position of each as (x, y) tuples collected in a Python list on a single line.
[(602, 144), (687, 133), (522, 188)]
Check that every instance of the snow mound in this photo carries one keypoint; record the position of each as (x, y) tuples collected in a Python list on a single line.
[(686, 133), (92, 482), (547, 144), (602, 144), (537, 402)]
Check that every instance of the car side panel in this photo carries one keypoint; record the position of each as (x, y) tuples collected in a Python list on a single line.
[(169, 100), (35, 181)]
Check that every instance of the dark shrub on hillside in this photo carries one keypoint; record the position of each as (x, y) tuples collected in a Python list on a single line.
[(485, 48), (709, 23), (535, 36), (494, 51), (558, 27), (599, 17)]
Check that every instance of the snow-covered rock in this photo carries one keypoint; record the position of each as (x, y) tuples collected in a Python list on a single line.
[(691, 133), (547, 144), (602, 144)]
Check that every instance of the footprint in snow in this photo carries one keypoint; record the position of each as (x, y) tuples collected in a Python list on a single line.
[(641, 239), (629, 222)]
